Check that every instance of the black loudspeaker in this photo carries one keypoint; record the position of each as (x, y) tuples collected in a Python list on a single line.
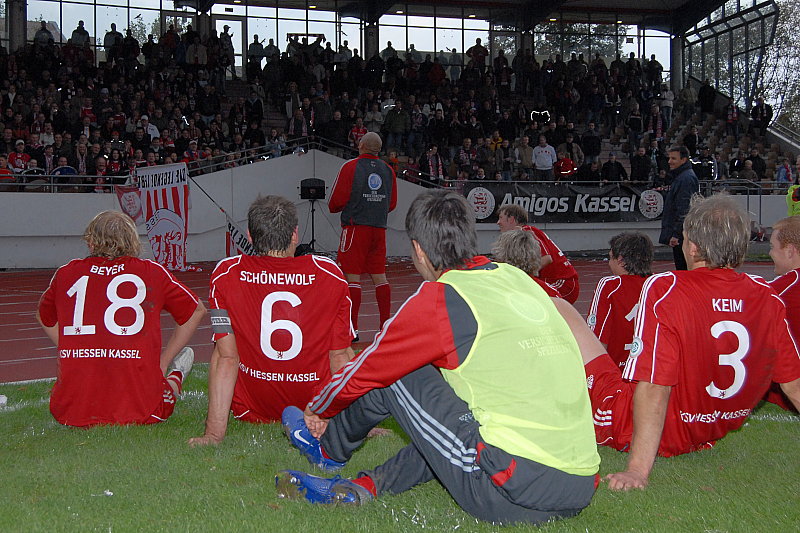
[(312, 189)]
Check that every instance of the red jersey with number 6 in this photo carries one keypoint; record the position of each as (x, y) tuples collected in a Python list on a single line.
[(287, 313), (108, 314), (614, 306), (718, 338)]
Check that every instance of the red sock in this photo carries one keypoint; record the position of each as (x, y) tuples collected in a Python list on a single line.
[(383, 294), (367, 483), (355, 297), (176, 377)]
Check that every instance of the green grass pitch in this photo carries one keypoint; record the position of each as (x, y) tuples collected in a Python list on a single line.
[(54, 478)]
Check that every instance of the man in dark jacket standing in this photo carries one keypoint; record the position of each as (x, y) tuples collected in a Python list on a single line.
[(676, 203)]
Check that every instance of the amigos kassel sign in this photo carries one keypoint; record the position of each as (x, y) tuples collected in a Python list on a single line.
[(566, 203)]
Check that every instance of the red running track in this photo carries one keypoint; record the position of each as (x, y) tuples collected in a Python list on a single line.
[(26, 353)]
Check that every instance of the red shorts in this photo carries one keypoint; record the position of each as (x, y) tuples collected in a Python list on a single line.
[(567, 288), (612, 403), (165, 408), (362, 249), (776, 395)]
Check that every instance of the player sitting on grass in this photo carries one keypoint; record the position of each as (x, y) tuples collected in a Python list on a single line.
[(519, 248), (616, 297), (104, 314), (708, 343), (784, 249), (281, 323), (555, 270), (496, 413)]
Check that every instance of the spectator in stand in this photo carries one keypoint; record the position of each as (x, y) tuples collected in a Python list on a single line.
[(591, 144), (613, 171), (504, 160), (706, 96), (783, 173), (432, 165), (523, 155), (731, 112), (635, 125), (7, 178), (693, 141), (564, 168), (589, 173), (641, 166), (667, 103), (397, 125), (761, 115), (544, 157), (571, 149), (357, 132), (747, 173), (18, 159), (759, 165)]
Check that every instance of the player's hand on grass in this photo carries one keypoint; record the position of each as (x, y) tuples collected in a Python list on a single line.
[(205, 440), (626, 480), (314, 423)]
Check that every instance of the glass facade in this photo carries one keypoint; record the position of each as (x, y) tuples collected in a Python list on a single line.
[(728, 47), (430, 28)]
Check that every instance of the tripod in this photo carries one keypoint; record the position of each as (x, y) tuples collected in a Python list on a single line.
[(312, 243)]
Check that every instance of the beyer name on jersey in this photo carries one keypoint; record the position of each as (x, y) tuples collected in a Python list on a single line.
[(276, 278), (107, 271)]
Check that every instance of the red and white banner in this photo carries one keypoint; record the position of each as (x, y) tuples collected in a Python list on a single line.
[(164, 192), (130, 202), (236, 241)]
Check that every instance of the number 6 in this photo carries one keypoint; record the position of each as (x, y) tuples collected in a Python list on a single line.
[(268, 327)]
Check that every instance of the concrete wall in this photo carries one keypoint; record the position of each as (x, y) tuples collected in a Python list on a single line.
[(43, 230)]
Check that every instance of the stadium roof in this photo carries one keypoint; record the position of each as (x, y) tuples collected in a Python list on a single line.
[(672, 16)]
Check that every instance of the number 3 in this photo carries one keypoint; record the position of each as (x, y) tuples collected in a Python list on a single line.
[(733, 359), (268, 327)]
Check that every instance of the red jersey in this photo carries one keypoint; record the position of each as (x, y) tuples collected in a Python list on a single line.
[(551, 292), (614, 306), (788, 288), (108, 313), (718, 338), (560, 268), (286, 314)]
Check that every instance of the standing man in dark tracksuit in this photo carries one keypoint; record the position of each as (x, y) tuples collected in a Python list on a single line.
[(365, 192), (676, 203), (492, 396)]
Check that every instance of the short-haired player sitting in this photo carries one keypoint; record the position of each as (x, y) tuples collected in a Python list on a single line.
[(104, 314), (616, 298), (519, 248), (281, 323), (555, 270), (784, 249), (708, 343)]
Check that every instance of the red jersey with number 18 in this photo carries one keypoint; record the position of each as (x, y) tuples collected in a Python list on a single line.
[(287, 313), (109, 340), (718, 338), (614, 306)]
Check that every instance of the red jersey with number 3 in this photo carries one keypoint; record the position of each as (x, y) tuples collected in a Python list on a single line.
[(108, 314), (614, 306), (286, 314), (718, 338), (560, 268)]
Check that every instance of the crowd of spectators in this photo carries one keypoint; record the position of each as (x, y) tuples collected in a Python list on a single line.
[(445, 117)]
